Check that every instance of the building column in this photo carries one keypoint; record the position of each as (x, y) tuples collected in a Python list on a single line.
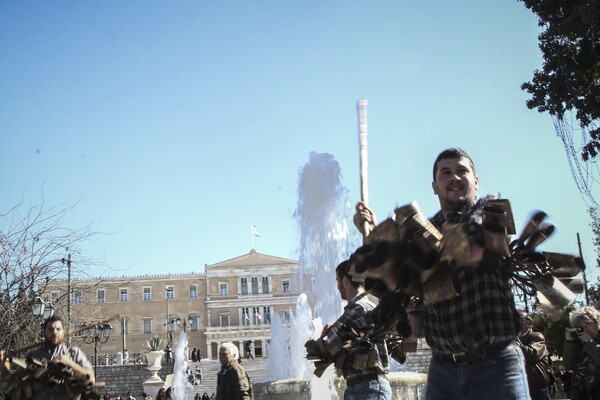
[(209, 351)]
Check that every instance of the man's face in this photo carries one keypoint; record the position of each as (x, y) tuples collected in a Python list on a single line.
[(54, 333), (588, 327), (455, 183), (340, 285), (225, 356), (526, 322)]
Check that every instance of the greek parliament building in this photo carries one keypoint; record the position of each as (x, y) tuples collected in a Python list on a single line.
[(234, 300)]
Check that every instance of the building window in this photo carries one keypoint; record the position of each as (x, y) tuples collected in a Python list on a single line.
[(124, 294), (224, 319), (193, 291), (256, 317), (147, 324), (79, 325), (267, 315), (245, 316), (147, 294), (254, 285), (55, 296), (265, 285), (223, 289), (194, 326), (286, 285), (124, 325), (286, 316), (170, 292), (100, 296), (77, 297), (244, 286)]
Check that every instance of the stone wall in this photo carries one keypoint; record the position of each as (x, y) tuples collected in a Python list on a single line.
[(404, 385), (121, 378), (419, 360)]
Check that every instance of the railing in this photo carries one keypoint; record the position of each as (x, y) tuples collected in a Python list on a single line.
[(112, 359)]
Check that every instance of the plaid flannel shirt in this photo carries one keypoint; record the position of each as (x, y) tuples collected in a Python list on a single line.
[(355, 317), (484, 312)]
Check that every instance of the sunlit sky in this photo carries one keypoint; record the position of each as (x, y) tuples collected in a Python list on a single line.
[(174, 126)]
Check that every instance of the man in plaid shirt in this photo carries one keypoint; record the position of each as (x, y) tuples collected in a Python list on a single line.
[(472, 336), (365, 364)]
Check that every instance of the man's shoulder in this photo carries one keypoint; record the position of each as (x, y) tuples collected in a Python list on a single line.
[(537, 336), (365, 302), (238, 366)]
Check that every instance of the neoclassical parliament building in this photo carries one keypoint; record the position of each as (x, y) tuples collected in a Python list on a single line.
[(233, 300)]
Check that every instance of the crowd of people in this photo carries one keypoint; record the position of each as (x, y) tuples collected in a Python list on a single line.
[(482, 346)]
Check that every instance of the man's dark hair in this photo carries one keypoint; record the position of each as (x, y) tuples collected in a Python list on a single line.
[(525, 315), (343, 269), (54, 318), (453, 152)]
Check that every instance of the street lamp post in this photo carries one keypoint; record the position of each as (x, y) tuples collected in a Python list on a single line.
[(42, 308), (98, 334), (184, 323)]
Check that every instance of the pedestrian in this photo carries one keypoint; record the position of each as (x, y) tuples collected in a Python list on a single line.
[(205, 396), (248, 350), (539, 371), (168, 353), (364, 362), (472, 334), (233, 382), (198, 374), (55, 350), (161, 395), (582, 353)]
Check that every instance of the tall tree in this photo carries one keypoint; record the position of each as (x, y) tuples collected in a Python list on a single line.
[(34, 244), (570, 77), (569, 81)]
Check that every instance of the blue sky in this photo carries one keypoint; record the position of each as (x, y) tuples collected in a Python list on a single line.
[(177, 125)]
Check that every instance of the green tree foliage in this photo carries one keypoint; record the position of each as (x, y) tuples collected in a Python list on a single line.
[(595, 225), (554, 331), (594, 294), (570, 77), (594, 290)]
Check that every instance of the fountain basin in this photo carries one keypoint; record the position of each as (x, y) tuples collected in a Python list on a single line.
[(405, 386)]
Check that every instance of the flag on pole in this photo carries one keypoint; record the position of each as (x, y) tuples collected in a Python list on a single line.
[(258, 315), (254, 230)]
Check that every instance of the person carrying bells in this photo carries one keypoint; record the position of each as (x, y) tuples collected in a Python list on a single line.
[(70, 360), (472, 334), (363, 360)]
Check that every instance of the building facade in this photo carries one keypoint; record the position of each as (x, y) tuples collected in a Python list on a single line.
[(234, 300)]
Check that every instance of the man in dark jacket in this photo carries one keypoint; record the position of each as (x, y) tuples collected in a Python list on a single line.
[(233, 382), (533, 345)]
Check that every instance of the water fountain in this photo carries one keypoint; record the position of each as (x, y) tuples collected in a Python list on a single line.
[(322, 213), (180, 382)]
